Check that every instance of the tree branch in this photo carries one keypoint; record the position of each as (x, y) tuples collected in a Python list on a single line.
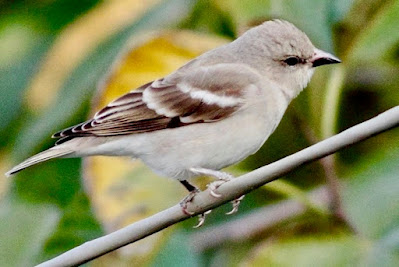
[(230, 190)]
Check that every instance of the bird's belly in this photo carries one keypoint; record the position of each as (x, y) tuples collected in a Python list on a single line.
[(214, 145)]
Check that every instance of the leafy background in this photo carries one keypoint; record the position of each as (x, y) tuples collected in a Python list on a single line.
[(55, 70)]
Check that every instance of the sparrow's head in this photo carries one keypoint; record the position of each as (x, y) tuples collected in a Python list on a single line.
[(285, 54)]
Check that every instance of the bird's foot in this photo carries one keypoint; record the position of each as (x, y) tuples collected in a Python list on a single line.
[(236, 203), (222, 177), (201, 218), (189, 198)]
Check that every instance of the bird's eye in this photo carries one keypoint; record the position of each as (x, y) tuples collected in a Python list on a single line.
[(292, 61)]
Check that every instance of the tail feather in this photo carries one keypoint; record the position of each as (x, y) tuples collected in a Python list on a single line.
[(51, 153)]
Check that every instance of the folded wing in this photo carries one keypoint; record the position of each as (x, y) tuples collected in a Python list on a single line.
[(205, 95)]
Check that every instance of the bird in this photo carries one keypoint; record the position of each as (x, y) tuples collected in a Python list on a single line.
[(211, 113)]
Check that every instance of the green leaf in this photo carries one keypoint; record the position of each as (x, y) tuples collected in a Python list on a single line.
[(14, 78), (312, 17), (55, 182), (76, 226), (380, 37), (208, 17), (313, 251), (244, 12), (371, 197), (177, 252), (385, 252), (24, 228), (339, 9), (27, 31)]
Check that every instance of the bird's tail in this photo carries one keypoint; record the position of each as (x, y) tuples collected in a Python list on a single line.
[(54, 152)]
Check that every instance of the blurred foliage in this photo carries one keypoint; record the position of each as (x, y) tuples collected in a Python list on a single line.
[(55, 69)]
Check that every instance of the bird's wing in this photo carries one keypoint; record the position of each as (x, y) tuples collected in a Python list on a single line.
[(185, 97)]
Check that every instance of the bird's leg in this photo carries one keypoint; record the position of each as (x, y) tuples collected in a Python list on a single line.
[(222, 177), (193, 191)]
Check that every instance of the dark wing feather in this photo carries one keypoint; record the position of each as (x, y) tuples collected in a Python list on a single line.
[(206, 95)]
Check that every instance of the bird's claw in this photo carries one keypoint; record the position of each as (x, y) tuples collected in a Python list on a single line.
[(188, 199), (213, 187), (212, 190), (236, 204), (201, 218), (223, 178)]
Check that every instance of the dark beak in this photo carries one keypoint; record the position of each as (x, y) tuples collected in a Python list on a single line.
[(323, 58)]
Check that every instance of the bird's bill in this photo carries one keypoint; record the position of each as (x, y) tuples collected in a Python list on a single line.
[(323, 58)]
